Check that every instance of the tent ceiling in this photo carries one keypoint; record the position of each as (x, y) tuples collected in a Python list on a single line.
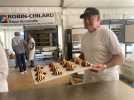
[(69, 3), (45, 3), (98, 3)]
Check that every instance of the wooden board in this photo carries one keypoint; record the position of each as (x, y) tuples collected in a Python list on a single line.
[(50, 77)]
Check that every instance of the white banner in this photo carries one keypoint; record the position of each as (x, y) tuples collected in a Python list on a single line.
[(47, 18), (29, 15)]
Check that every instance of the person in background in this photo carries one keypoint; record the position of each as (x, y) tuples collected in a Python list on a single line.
[(4, 19), (31, 50), (100, 47), (18, 45), (3, 70), (14, 43)]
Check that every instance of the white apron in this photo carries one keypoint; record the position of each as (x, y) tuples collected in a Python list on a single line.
[(109, 74), (31, 52), (3, 86), (3, 71)]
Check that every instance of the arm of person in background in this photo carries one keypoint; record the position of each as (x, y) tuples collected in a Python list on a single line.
[(25, 44), (32, 46), (13, 45)]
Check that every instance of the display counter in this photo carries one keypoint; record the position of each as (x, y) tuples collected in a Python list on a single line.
[(114, 90)]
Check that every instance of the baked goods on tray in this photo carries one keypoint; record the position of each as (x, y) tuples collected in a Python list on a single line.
[(70, 65), (78, 61), (56, 68), (81, 62), (84, 63), (39, 73), (63, 62)]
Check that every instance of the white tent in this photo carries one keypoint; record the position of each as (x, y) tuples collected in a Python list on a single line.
[(71, 9), (69, 3)]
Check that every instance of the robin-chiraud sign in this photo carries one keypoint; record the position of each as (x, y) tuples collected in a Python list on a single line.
[(48, 18)]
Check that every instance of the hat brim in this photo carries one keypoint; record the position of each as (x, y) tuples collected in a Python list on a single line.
[(85, 15), (82, 16)]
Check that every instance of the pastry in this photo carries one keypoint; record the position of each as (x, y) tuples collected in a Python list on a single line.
[(63, 62), (56, 69), (40, 77), (39, 73), (78, 61), (38, 67), (85, 63), (70, 65)]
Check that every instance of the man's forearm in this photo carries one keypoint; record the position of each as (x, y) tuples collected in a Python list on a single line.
[(115, 60)]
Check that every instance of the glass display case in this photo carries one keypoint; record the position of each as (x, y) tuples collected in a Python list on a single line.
[(77, 34), (46, 40)]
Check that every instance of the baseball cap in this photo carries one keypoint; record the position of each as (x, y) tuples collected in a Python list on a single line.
[(90, 11)]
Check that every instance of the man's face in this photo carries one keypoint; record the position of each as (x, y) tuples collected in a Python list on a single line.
[(92, 23), (29, 36), (17, 34)]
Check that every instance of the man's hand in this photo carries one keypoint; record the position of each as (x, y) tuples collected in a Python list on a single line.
[(98, 67)]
